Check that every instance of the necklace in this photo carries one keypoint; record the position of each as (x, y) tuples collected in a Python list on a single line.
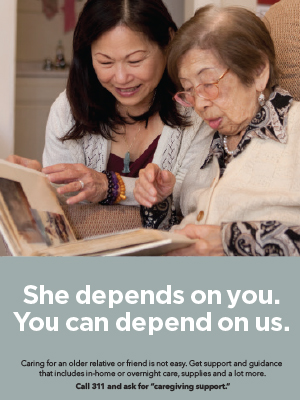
[(227, 151), (126, 160)]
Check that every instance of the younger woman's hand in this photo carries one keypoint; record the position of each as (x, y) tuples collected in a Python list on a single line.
[(91, 185), (153, 185)]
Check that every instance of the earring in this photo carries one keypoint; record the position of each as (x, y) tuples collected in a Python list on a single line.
[(261, 99)]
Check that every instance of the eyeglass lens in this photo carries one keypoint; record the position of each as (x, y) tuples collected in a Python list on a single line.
[(209, 91)]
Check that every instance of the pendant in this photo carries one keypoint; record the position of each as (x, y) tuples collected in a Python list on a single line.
[(126, 168)]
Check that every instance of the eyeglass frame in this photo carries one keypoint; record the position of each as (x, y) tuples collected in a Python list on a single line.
[(216, 83)]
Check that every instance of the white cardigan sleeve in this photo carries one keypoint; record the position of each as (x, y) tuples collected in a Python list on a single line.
[(195, 145), (59, 122)]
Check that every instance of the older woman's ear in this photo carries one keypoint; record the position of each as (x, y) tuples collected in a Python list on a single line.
[(171, 34), (262, 76)]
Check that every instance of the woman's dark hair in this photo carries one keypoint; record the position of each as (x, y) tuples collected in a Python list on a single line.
[(238, 38), (93, 107)]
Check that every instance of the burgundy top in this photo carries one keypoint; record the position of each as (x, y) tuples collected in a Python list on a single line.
[(116, 163)]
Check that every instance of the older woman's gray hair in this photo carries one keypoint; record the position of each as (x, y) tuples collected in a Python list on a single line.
[(238, 38)]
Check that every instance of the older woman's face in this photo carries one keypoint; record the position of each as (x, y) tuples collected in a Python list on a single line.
[(236, 104)]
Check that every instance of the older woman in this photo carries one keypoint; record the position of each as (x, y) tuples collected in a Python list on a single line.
[(244, 199), (117, 113)]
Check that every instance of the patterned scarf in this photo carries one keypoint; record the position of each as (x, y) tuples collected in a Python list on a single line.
[(269, 123)]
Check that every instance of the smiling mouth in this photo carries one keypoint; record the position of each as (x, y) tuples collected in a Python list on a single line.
[(128, 90)]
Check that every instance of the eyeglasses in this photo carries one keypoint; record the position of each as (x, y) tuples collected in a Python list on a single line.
[(208, 91)]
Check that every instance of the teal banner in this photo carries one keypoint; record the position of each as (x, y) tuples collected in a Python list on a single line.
[(166, 328)]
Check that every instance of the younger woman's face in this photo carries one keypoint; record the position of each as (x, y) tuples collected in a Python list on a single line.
[(129, 66)]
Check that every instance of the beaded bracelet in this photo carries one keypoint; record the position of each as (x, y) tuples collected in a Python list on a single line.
[(121, 184), (113, 188)]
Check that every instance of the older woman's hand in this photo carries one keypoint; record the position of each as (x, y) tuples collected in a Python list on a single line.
[(209, 241), (153, 185), (25, 162), (91, 185)]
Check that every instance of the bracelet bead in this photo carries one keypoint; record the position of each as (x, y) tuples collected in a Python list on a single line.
[(113, 188), (122, 188)]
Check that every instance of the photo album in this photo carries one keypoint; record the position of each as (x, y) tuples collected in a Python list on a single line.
[(33, 223)]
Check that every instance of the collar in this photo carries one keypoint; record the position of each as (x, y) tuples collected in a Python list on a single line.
[(271, 120), (269, 123)]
